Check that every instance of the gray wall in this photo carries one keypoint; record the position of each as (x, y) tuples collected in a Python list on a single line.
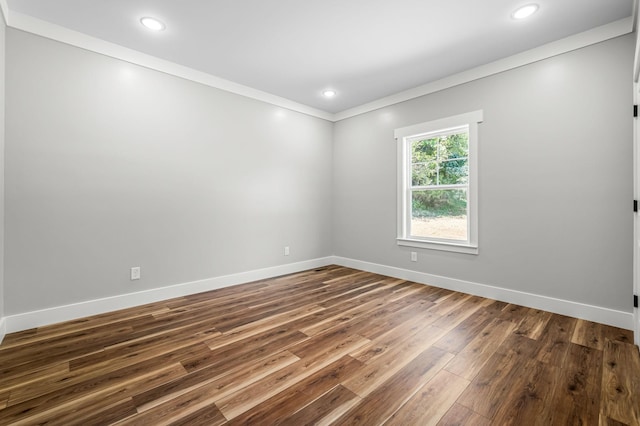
[(555, 179), (111, 165)]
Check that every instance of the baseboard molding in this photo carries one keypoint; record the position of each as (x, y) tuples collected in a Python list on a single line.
[(3, 329), (559, 306), (27, 320)]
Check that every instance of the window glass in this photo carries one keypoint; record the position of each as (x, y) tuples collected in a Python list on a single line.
[(437, 188)]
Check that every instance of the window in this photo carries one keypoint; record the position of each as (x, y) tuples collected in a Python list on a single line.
[(437, 184)]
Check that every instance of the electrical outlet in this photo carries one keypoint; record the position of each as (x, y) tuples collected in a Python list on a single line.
[(286, 251), (135, 273), (414, 256)]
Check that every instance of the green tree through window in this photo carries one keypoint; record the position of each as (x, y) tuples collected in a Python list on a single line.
[(437, 196), (438, 162)]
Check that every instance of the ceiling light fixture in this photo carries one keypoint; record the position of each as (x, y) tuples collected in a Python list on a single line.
[(525, 11), (329, 93), (152, 24)]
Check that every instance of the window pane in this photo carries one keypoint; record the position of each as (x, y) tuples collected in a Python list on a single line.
[(424, 151), (454, 146), (423, 174), (454, 171), (441, 160), (439, 214)]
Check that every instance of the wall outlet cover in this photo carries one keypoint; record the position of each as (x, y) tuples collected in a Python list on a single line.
[(135, 273)]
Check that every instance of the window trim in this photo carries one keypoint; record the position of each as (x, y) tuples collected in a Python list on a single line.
[(403, 137)]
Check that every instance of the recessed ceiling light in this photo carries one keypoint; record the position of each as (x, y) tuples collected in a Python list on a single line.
[(152, 24), (329, 93), (525, 11)]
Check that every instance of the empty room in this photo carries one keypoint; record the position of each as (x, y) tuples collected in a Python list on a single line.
[(285, 212)]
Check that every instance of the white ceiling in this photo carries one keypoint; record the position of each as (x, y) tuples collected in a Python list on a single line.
[(363, 49)]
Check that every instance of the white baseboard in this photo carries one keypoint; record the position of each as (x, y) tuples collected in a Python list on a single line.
[(558, 306), (24, 321), (3, 329), (58, 314)]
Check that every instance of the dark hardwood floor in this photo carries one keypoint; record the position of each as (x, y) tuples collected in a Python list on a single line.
[(329, 346)]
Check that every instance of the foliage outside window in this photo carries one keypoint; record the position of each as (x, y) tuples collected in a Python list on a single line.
[(437, 196)]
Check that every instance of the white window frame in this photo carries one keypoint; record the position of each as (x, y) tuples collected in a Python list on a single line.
[(404, 136)]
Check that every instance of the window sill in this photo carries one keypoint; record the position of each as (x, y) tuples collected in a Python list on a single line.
[(433, 245)]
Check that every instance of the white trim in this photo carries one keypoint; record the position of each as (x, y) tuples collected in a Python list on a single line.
[(4, 7), (58, 314), (83, 41), (438, 245), (440, 124), (54, 315), (636, 219), (405, 136), (3, 328), (568, 44), (559, 306), (636, 59)]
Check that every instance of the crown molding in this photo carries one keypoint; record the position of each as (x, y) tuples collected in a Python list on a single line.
[(74, 38), (55, 32), (4, 7), (568, 44)]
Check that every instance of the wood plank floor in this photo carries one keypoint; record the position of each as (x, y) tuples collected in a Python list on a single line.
[(327, 346)]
